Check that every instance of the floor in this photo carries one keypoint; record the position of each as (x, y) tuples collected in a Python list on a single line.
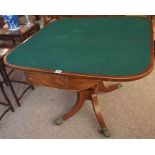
[(129, 112)]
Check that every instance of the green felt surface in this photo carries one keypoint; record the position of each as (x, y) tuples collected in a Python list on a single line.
[(113, 46)]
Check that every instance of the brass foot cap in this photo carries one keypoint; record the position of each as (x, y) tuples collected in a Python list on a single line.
[(59, 121), (105, 132)]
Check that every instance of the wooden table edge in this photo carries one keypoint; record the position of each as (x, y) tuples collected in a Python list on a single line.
[(95, 77)]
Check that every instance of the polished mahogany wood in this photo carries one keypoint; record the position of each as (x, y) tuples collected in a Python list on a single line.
[(97, 110), (80, 101), (101, 87), (59, 81)]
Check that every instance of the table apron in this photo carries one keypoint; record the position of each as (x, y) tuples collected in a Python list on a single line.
[(60, 81)]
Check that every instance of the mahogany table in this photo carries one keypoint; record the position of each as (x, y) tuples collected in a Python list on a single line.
[(79, 54)]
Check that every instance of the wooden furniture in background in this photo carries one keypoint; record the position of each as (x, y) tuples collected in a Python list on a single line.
[(20, 35)]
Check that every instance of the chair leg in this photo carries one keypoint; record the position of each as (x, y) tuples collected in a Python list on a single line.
[(13, 91), (9, 82), (6, 97), (4, 78), (8, 104)]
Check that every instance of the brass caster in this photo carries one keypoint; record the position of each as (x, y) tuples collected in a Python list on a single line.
[(105, 132), (120, 85), (59, 121)]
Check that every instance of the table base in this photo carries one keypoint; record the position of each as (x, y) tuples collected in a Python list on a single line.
[(90, 94)]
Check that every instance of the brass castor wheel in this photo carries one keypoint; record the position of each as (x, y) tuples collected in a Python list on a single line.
[(105, 132), (120, 85), (59, 121)]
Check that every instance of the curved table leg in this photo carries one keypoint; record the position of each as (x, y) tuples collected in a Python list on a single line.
[(101, 87), (80, 101), (99, 115), (90, 94)]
